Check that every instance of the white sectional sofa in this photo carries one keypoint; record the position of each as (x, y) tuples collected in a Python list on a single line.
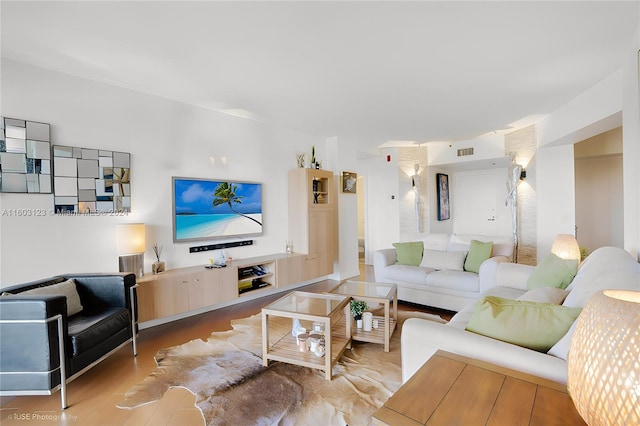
[(605, 268), (442, 286)]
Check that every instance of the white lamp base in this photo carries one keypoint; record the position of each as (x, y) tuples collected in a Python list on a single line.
[(133, 263)]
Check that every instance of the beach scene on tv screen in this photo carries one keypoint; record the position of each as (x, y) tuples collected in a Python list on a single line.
[(213, 209)]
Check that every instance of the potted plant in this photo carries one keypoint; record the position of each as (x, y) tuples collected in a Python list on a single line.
[(158, 265), (357, 308), (313, 157)]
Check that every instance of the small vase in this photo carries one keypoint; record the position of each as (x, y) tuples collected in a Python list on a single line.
[(359, 323), (157, 267), (367, 319)]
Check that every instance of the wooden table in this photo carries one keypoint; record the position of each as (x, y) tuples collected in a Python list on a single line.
[(328, 309), (454, 390), (374, 293)]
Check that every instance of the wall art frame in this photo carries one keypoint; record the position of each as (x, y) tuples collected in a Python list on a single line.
[(88, 180), (444, 209), (349, 182), (25, 156)]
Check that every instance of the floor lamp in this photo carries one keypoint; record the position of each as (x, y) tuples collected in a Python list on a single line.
[(131, 247)]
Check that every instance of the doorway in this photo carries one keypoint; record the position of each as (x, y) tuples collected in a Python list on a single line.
[(599, 191), (361, 220)]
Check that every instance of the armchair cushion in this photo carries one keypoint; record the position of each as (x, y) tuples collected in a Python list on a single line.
[(87, 332), (67, 289)]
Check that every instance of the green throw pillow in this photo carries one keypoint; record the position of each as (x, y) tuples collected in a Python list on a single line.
[(409, 253), (533, 325), (478, 253), (553, 272)]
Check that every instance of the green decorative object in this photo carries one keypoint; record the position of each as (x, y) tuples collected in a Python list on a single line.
[(357, 308), (409, 253), (478, 253), (553, 271)]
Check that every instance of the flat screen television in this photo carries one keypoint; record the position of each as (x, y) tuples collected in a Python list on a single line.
[(205, 209)]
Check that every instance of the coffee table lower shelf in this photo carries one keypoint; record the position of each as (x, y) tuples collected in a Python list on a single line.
[(376, 335), (286, 350)]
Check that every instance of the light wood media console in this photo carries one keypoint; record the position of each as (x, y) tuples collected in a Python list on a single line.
[(182, 292)]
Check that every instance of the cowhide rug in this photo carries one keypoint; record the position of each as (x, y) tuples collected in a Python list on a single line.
[(231, 386)]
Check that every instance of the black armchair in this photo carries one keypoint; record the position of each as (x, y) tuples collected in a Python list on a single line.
[(37, 333)]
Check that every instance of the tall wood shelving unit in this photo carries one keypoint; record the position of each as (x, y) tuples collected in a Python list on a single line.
[(312, 221)]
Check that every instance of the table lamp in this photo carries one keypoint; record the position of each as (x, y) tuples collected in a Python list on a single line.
[(131, 246), (566, 247), (603, 365)]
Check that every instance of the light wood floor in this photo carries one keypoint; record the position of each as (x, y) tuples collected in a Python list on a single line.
[(92, 397)]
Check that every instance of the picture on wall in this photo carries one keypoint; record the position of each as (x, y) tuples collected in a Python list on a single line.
[(25, 156), (91, 180), (349, 182), (444, 211)]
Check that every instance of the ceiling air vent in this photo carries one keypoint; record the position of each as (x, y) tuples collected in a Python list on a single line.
[(465, 151)]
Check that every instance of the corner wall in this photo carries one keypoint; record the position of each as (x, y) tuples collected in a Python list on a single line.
[(631, 147), (523, 143), (409, 212), (612, 102)]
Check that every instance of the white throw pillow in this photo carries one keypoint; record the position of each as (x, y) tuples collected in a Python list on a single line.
[(436, 242), (443, 260), (561, 348), (545, 295), (65, 288)]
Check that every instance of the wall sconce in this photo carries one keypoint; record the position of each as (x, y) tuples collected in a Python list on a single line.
[(131, 247), (415, 179), (523, 174), (566, 247), (222, 160)]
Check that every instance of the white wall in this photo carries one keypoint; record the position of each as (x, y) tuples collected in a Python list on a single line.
[(610, 103), (556, 198), (599, 201), (165, 138), (381, 203), (341, 156), (487, 147), (593, 112), (478, 198), (631, 147)]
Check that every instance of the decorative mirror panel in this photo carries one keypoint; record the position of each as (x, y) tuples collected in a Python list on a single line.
[(25, 156), (91, 180)]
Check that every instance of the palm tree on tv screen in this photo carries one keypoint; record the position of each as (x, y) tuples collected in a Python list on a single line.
[(225, 193)]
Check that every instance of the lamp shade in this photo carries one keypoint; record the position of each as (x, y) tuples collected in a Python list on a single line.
[(566, 247), (603, 365), (130, 238)]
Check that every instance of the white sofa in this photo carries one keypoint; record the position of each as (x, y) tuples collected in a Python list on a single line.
[(442, 288), (605, 268)]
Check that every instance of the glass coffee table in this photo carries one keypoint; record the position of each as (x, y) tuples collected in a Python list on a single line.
[(374, 293), (327, 309)]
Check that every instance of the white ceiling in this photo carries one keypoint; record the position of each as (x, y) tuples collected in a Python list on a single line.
[(371, 72)]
